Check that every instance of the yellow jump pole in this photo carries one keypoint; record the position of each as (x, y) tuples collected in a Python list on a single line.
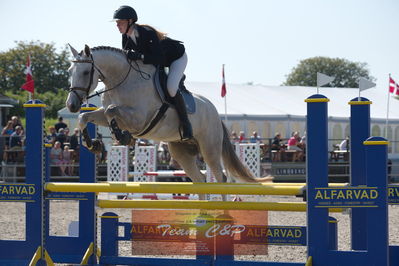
[(174, 187), (206, 205)]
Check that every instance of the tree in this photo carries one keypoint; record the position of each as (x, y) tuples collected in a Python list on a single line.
[(50, 69), (346, 73), (50, 73)]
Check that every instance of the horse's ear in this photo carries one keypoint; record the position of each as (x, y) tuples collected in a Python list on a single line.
[(74, 52), (87, 50)]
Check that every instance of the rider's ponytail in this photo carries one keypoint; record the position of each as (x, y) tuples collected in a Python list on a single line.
[(161, 35)]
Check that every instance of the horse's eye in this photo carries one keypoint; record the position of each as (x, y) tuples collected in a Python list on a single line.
[(86, 72)]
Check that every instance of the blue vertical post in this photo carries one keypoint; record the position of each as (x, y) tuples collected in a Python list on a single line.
[(71, 249), (87, 173), (377, 226), (359, 132), (35, 174), (109, 235), (317, 176)]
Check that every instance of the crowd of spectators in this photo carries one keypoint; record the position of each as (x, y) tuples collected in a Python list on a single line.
[(13, 135), (65, 147), (292, 149), (64, 151)]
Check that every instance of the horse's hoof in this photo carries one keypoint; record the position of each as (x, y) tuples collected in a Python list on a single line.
[(96, 146), (126, 138)]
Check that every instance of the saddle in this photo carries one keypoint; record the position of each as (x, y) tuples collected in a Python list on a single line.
[(160, 80)]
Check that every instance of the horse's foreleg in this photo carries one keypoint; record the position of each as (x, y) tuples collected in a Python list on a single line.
[(97, 117)]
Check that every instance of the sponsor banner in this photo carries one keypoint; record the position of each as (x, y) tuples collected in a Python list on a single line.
[(18, 192), (199, 232), (346, 197), (275, 235)]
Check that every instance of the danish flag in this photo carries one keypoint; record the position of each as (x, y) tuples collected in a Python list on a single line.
[(393, 86), (223, 92), (29, 85)]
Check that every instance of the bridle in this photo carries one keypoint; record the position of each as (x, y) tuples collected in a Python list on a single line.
[(86, 89), (102, 78)]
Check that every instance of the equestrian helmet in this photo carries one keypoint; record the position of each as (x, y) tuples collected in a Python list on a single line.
[(125, 12)]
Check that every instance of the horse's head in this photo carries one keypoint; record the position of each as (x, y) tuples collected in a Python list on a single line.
[(84, 77)]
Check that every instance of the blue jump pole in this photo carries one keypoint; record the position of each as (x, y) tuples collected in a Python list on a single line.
[(317, 176), (359, 132), (377, 241)]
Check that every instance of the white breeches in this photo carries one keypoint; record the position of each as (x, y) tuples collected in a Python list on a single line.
[(176, 71)]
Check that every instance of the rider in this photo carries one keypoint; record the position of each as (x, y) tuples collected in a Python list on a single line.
[(143, 42)]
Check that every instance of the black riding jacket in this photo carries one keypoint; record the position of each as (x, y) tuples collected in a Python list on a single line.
[(155, 51)]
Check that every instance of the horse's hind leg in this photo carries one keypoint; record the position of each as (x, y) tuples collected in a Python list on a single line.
[(212, 155), (183, 154)]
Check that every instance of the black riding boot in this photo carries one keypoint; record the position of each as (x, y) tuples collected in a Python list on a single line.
[(182, 113)]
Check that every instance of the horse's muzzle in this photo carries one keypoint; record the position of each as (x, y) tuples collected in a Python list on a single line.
[(73, 108)]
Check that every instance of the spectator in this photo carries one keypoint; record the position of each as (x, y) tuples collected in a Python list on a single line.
[(7, 131), (242, 138), (15, 138), (277, 146), (66, 157), (101, 157), (173, 164), (60, 124), (298, 136), (52, 135), (74, 140), (255, 138), (16, 122), (67, 137), (302, 145), (56, 157), (61, 137), (234, 138), (163, 152), (293, 145), (344, 145)]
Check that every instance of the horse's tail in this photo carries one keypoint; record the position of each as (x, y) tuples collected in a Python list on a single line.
[(233, 164)]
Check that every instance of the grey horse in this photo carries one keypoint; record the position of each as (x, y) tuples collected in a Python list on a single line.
[(131, 101)]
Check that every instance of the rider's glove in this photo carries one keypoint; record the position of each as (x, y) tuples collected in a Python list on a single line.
[(132, 55)]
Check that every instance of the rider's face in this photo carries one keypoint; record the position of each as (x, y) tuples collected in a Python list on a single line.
[(122, 25)]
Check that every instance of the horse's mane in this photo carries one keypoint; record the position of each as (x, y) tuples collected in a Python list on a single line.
[(109, 48)]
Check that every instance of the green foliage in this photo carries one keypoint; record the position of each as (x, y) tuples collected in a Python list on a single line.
[(54, 102), (49, 68), (346, 73), (50, 74)]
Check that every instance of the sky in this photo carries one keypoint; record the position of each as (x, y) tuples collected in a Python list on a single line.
[(259, 41)]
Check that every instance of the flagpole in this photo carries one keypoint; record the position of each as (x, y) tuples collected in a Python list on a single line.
[(386, 122)]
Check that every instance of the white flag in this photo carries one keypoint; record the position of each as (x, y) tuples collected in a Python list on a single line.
[(323, 79), (365, 84)]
